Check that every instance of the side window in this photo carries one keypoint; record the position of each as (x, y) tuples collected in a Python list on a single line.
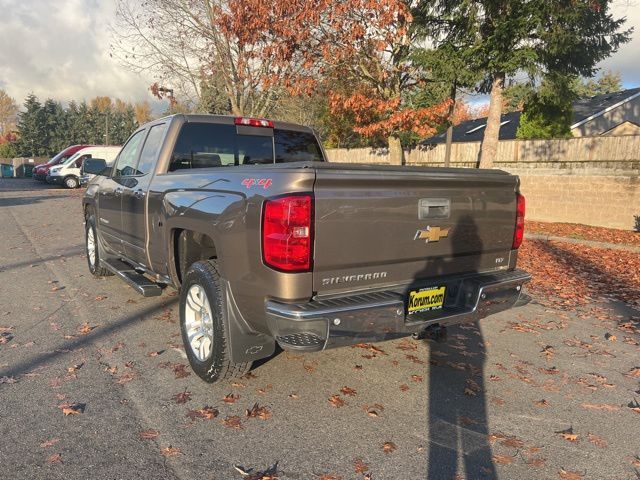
[(80, 160), (127, 158), (202, 145), (152, 144), (292, 146)]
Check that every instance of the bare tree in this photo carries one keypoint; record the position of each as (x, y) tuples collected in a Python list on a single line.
[(185, 44), (8, 114)]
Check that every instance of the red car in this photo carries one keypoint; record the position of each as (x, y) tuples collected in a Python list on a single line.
[(41, 171)]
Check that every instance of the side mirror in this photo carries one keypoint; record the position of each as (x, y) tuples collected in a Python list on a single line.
[(94, 166)]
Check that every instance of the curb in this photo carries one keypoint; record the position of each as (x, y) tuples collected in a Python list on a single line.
[(577, 241)]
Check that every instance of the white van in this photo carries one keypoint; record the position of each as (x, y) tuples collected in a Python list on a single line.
[(68, 172)]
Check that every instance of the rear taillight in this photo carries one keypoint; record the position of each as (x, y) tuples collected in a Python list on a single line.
[(287, 233), (518, 235), (253, 122)]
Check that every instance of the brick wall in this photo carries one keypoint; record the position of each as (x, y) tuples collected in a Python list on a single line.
[(598, 200)]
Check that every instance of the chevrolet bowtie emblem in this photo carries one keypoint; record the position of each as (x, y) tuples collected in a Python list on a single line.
[(431, 234)]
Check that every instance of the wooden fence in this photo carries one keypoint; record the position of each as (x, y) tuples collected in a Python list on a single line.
[(598, 152)]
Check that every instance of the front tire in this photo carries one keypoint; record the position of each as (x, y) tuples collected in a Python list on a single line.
[(203, 322), (92, 248), (71, 182)]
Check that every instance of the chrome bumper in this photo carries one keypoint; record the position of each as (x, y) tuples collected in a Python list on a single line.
[(378, 316)]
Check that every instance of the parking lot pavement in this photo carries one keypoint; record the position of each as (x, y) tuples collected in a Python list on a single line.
[(94, 384)]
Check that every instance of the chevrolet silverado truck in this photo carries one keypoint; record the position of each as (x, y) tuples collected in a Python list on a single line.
[(268, 243)]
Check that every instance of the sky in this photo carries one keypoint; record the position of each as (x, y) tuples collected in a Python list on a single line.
[(60, 49)]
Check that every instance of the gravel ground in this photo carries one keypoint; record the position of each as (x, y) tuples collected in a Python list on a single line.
[(94, 384)]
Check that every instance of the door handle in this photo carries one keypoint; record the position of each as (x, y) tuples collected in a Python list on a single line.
[(117, 192), (139, 193)]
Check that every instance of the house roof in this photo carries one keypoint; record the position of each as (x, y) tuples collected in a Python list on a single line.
[(584, 110)]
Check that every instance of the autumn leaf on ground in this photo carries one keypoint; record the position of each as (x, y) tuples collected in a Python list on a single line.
[(180, 370), (8, 380), (206, 413), (569, 475), (389, 447), (170, 451), (466, 421), (126, 378), (183, 397), (257, 411), (472, 388), (348, 391), (417, 378), (512, 442), (600, 406), (414, 359), (404, 387), (294, 396), (99, 298), (373, 410), (503, 459), (84, 329), (597, 440), (249, 375), (233, 421), (73, 369), (72, 408), (155, 353), (568, 434), (336, 401), (359, 466), (55, 458), (541, 403), (149, 434), (49, 443), (230, 398), (633, 373), (407, 345)]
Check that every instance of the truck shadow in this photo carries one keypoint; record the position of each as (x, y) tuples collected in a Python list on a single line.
[(457, 419)]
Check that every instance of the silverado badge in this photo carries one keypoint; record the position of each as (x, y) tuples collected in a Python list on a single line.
[(431, 234)]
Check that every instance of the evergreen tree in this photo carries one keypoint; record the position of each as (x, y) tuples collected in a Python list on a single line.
[(548, 112), (31, 128), (608, 82)]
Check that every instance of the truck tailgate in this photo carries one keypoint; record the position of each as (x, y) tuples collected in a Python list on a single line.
[(378, 226)]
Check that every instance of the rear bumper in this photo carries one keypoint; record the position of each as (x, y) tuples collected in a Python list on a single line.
[(371, 317)]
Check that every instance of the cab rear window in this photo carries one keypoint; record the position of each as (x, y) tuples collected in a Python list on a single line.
[(207, 145)]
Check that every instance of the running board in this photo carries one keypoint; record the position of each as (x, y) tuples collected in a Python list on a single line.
[(139, 282)]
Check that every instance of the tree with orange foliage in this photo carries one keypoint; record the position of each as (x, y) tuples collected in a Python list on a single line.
[(363, 44)]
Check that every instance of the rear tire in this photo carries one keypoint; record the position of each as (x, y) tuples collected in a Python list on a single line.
[(71, 182), (92, 249), (203, 324)]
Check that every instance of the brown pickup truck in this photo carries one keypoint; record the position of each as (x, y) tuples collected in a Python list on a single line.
[(268, 243)]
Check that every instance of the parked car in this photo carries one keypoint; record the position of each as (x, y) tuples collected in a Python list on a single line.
[(68, 172), (268, 243), (40, 172)]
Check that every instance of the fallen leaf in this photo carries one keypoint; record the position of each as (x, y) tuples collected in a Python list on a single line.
[(512, 442), (359, 466), (503, 459), (536, 461), (389, 447), (568, 435), (230, 398), (155, 354), (233, 422), (183, 397), (466, 421), (49, 443), (417, 378), (404, 387), (593, 406), (8, 380), (206, 413), (170, 451), (610, 337), (257, 411), (569, 475), (294, 396), (414, 359), (597, 440), (73, 369), (72, 408), (180, 370), (55, 458), (348, 391), (99, 298), (541, 403), (336, 401), (149, 434), (84, 329)]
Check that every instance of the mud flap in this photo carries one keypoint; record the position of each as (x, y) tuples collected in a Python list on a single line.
[(245, 344)]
